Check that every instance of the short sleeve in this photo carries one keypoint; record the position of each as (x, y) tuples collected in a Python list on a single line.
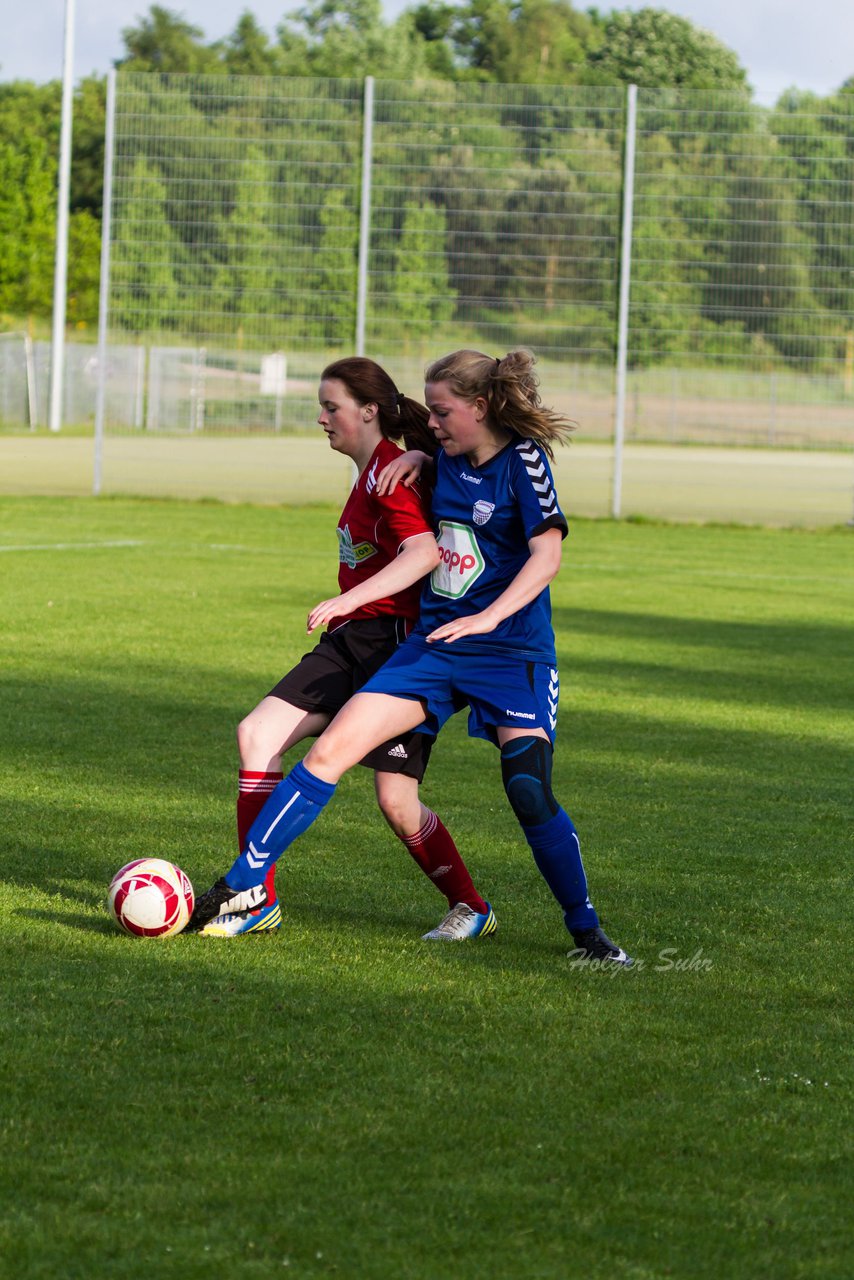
[(403, 513), (534, 488)]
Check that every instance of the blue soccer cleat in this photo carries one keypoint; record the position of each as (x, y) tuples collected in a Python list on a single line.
[(221, 899), (232, 924), (462, 922)]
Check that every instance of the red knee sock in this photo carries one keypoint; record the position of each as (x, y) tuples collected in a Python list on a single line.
[(439, 858), (253, 790)]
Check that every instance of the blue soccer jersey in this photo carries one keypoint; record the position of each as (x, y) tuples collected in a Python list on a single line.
[(484, 518)]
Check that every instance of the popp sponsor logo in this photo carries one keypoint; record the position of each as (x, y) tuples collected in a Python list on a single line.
[(454, 560), (461, 561)]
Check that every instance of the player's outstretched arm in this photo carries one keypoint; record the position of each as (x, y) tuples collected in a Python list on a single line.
[(417, 557), (536, 573)]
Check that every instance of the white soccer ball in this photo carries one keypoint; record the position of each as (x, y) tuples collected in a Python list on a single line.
[(151, 898)]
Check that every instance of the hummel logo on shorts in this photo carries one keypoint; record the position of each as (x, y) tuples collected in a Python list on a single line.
[(398, 752)]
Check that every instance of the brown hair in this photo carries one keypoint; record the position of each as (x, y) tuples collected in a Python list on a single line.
[(511, 390), (399, 416)]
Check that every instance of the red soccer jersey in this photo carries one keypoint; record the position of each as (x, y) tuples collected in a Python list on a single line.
[(372, 530)]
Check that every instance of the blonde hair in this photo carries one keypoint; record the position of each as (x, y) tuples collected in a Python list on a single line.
[(511, 390)]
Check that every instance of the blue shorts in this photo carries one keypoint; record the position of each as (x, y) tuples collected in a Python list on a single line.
[(500, 691)]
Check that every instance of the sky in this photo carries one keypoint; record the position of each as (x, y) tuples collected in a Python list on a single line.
[(780, 43)]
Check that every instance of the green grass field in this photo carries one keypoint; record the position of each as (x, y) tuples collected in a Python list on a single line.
[(343, 1099)]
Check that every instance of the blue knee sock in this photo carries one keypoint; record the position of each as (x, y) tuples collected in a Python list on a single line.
[(557, 854), (290, 810)]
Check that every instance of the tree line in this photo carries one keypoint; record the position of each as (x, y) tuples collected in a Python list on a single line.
[(536, 42)]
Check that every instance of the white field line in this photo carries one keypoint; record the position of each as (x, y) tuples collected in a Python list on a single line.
[(130, 542), (69, 546), (244, 551)]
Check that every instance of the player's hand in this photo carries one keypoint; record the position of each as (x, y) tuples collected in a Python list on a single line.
[(404, 470), (474, 624), (324, 612)]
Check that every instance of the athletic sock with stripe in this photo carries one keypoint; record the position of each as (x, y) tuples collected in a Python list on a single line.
[(557, 853), (289, 811), (434, 850), (254, 787)]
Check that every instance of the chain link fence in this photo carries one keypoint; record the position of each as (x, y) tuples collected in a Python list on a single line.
[(259, 228)]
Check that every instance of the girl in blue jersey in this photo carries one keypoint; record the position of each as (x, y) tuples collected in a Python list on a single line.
[(484, 638)]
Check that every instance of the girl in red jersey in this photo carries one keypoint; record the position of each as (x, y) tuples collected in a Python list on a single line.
[(385, 547)]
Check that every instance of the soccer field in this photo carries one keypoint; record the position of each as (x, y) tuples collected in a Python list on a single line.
[(343, 1099)]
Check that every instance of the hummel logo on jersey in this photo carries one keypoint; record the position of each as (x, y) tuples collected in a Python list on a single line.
[(520, 715), (398, 752), (352, 554), (539, 476), (371, 481), (464, 475)]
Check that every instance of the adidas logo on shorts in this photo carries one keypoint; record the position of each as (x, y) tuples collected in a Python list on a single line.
[(398, 752)]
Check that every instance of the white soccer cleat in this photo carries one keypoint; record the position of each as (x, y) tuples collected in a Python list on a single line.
[(462, 922)]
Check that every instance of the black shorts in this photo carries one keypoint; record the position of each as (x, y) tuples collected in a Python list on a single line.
[(336, 668)]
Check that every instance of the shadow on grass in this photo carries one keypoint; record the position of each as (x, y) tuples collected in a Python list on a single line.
[(67, 920), (103, 766), (768, 664)]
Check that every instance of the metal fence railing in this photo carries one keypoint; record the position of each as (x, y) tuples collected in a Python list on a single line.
[(252, 219)]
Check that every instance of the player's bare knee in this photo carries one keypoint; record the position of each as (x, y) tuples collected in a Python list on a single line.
[(323, 754), (249, 737), (397, 797), (398, 814)]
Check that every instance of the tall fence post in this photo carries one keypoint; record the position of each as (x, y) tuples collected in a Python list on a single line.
[(625, 285), (365, 215), (32, 387), (104, 287), (60, 269)]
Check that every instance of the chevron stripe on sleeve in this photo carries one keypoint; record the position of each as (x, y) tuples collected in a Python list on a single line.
[(540, 476)]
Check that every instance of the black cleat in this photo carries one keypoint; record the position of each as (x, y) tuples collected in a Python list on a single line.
[(594, 944), (221, 898)]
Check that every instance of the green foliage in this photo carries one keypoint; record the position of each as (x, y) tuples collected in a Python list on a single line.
[(330, 279), (248, 52), (29, 148), (423, 297), (84, 269), (433, 23), (89, 112), (550, 45), (145, 269), (651, 47), (164, 42), (251, 283), (351, 39), (27, 226), (777, 286), (517, 41), (818, 135)]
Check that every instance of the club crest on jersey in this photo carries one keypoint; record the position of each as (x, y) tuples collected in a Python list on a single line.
[(351, 553), (481, 511)]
